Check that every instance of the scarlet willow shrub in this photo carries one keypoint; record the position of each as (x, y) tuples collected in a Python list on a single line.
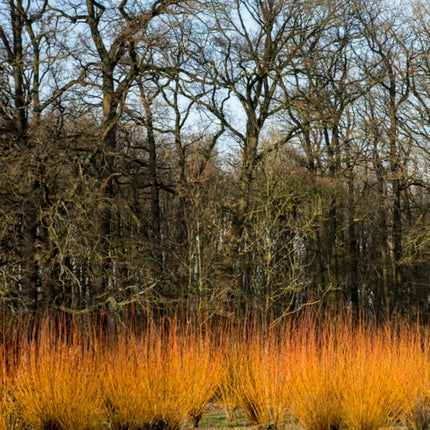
[(314, 379), (369, 365), (57, 386), (11, 344), (414, 377), (225, 395), (261, 373), (158, 380), (8, 412), (327, 376), (202, 372)]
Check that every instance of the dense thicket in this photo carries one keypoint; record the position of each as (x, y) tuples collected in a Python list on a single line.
[(214, 155)]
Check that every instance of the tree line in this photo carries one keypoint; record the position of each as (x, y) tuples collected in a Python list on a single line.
[(214, 155)]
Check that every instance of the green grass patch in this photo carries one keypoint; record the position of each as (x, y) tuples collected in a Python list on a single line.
[(216, 418)]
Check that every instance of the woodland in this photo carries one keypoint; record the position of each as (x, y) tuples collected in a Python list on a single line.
[(215, 157)]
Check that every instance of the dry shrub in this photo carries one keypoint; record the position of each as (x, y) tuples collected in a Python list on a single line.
[(314, 380), (369, 366), (364, 378), (158, 381), (8, 416), (58, 386), (202, 370), (132, 377), (8, 412), (415, 378), (11, 342), (226, 393), (226, 396), (261, 374)]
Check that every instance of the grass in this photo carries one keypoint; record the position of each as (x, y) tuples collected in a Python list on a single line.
[(216, 418)]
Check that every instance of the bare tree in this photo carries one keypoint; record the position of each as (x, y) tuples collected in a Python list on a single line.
[(240, 77), (27, 33)]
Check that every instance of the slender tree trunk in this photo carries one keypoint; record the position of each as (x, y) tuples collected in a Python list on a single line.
[(31, 248), (155, 191), (108, 146), (243, 235), (20, 114), (332, 224), (397, 229), (383, 296), (353, 250)]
